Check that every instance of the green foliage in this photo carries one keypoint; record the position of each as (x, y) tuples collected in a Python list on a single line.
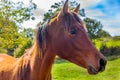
[(8, 35), (108, 42), (108, 46), (68, 71), (95, 29), (22, 48), (26, 40), (109, 51), (11, 15), (116, 38), (29, 33)]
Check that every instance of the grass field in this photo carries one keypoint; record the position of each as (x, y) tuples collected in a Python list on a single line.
[(63, 70)]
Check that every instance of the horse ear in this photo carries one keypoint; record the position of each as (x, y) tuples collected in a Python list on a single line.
[(77, 8), (64, 9)]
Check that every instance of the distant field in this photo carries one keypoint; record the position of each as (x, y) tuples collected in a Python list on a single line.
[(63, 70)]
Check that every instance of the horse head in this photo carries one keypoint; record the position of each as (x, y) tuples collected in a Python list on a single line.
[(70, 41)]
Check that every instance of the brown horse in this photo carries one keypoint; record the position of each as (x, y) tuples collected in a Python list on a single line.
[(65, 36)]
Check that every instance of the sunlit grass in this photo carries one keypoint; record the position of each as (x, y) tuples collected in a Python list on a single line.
[(113, 43), (68, 71), (109, 42)]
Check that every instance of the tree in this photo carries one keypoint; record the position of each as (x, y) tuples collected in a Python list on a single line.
[(103, 34), (95, 28), (8, 35), (11, 15), (26, 40), (17, 12), (29, 33)]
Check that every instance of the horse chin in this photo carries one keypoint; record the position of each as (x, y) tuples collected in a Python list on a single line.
[(92, 70)]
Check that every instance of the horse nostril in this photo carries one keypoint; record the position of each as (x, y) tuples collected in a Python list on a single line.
[(102, 62), (102, 65)]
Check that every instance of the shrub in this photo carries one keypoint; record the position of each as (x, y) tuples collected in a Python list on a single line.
[(110, 51)]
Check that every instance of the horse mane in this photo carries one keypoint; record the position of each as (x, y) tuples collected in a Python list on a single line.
[(22, 69), (41, 38), (22, 66)]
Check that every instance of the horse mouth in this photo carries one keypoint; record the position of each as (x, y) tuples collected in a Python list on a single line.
[(93, 71)]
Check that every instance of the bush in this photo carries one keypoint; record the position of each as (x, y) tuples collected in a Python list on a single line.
[(110, 51), (21, 49)]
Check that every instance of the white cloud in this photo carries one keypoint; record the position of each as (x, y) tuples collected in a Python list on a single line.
[(114, 31), (45, 4), (39, 12), (111, 24), (31, 24), (94, 13), (88, 3)]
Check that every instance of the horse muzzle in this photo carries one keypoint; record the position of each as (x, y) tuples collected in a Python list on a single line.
[(92, 70)]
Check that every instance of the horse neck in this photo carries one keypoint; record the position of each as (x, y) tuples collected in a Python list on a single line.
[(41, 64)]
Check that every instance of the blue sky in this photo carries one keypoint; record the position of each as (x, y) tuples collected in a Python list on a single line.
[(106, 11)]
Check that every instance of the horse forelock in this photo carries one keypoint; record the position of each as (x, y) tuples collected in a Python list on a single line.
[(70, 18)]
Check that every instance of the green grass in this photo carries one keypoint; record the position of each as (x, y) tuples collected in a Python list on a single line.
[(64, 70)]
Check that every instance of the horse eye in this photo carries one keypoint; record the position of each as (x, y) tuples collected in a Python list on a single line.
[(73, 31)]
